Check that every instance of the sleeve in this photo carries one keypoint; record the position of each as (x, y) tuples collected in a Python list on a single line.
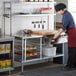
[(65, 22)]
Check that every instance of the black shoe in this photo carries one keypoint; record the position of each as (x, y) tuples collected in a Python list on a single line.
[(67, 68)]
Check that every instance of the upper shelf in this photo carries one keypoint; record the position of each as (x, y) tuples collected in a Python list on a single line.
[(28, 15), (33, 15), (30, 2), (34, 2)]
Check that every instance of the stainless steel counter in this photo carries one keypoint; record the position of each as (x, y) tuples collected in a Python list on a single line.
[(28, 36), (6, 38)]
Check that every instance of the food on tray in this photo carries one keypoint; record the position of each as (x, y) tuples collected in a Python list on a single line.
[(35, 53), (27, 47), (18, 47), (30, 47), (27, 53)]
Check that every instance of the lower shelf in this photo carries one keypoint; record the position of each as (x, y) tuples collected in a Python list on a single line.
[(6, 69), (57, 55), (19, 57), (35, 58)]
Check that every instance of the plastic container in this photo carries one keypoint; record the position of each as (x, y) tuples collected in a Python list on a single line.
[(0, 63), (40, 0), (3, 64), (31, 0), (36, 0), (8, 63), (45, 0), (49, 51), (45, 10)]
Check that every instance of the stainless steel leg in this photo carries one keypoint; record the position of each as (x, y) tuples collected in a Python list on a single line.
[(63, 51), (40, 47), (22, 55)]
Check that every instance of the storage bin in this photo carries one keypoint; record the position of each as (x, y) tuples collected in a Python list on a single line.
[(45, 10), (49, 51)]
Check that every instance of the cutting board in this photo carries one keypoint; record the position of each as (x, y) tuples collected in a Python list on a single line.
[(44, 32)]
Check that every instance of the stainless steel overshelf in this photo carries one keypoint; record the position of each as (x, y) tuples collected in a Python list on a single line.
[(6, 69), (25, 3), (27, 15)]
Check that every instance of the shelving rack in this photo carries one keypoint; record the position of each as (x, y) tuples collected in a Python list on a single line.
[(24, 42), (6, 53)]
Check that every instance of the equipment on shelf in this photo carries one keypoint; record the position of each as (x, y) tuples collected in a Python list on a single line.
[(27, 31)]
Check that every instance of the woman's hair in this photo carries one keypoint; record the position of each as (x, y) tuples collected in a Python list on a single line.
[(60, 6)]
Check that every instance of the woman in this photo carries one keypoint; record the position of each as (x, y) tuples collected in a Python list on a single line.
[(68, 25)]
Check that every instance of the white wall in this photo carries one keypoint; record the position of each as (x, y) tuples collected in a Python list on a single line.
[(58, 17), (2, 11), (22, 21), (72, 8)]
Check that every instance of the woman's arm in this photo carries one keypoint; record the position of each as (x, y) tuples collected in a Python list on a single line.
[(58, 34)]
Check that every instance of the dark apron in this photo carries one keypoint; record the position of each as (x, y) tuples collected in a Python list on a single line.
[(71, 37)]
